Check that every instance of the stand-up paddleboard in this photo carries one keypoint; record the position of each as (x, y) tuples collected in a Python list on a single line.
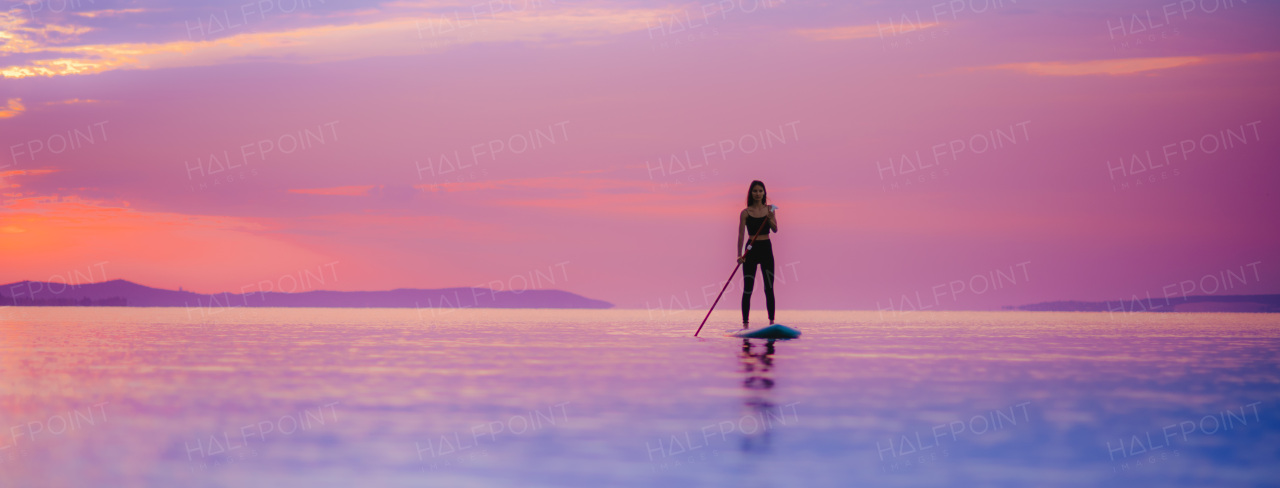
[(775, 331)]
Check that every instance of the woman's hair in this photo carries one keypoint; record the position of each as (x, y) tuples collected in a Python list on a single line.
[(763, 200)]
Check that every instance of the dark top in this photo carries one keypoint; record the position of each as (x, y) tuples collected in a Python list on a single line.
[(754, 223)]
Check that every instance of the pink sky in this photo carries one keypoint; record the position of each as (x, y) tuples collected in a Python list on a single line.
[(443, 144)]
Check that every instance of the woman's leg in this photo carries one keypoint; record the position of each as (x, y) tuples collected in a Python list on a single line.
[(748, 283), (766, 265)]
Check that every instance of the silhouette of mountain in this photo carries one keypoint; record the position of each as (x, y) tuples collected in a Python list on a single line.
[(126, 293), (1198, 303)]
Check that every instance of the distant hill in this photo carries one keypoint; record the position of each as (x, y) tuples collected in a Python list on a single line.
[(1199, 303), (128, 294)]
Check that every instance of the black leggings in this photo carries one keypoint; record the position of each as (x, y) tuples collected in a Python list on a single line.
[(761, 253)]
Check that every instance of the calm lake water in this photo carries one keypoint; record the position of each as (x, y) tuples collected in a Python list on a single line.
[(532, 398)]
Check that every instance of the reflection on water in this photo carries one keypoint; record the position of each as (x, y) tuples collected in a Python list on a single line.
[(759, 399), (377, 397)]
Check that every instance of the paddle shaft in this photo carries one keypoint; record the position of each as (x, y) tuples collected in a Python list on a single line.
[(763, 225)]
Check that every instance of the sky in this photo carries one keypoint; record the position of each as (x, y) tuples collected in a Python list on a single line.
[(947, 155)]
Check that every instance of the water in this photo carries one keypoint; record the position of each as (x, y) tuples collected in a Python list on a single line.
[(384, 397)]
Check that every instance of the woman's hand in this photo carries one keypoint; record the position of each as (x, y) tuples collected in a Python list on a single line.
[(742, 259)]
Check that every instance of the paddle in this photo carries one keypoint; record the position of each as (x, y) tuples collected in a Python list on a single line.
[(763, 225)]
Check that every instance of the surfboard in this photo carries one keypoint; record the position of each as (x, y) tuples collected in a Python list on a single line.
[(775, 331)]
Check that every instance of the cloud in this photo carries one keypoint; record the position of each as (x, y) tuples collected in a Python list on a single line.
[(1101, 66), (351, 191), (848, 32), (112, 12), (73, 101), (26, 172), (369, 36), (544, 183), (1124, 66), (143, 246), (12, 108)]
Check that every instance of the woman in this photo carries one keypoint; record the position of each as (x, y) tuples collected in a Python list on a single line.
[(757, 219)]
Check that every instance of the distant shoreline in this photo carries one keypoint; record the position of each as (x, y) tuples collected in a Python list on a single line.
[(1182, 304), (121, 293)]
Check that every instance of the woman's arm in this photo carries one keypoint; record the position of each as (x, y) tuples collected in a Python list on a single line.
[(773, 220), (742, 224)]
